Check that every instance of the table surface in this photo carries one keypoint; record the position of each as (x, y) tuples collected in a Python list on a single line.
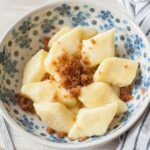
[(11, 11)]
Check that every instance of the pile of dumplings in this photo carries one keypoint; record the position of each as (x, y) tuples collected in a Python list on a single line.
[(53, 103)]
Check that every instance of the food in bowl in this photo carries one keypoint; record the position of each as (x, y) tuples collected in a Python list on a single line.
[(78, 81)]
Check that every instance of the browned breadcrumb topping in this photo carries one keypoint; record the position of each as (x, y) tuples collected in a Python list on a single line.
[(86, 61), (75, 91), (45, 41), (80, 104), (93, 41), (74, 73), (25, 103), (125, 93), (47, 76), (50, 130), (61, 134), (54, 62)]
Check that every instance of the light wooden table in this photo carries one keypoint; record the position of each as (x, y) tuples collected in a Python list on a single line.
[(11, 11)]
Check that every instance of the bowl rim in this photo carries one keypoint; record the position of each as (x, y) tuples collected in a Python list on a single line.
[(78, 145)]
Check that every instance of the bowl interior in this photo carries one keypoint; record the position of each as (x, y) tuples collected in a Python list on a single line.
[(26, 38)]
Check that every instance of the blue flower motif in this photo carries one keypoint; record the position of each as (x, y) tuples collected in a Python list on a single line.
[(48, 25), (138, 42), (7, 95), (146, 82), (26, 122), (8, 64), (80, 19), (105, 15), (26, 25), (4, 56), (22, 40), (21, 36), (64, 10), (106, 26), (133, 45), (10, 67)]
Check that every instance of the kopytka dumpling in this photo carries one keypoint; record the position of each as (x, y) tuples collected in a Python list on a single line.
[(99, 47), (117, 71), (55, 116), (99, 94), (93, 121), (34, 69), (48, 91), (61, 32)]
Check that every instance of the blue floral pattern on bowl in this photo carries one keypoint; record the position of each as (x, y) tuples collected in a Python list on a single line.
[(27, 37)]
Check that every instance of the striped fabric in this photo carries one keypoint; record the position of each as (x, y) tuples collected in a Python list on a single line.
[(139, 11), (5, 135), (138, 138)]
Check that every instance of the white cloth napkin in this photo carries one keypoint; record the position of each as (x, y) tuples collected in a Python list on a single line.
[(138, 138)]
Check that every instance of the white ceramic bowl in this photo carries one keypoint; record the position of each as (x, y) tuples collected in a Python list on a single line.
[(25, 37)]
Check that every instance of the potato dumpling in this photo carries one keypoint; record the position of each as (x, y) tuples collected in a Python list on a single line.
[(71, 41), (61, 32), (117, 71), (93, 121), (51, 60), (99, 94), (34, 69), (99, 47), (48, 91), (88, 32), (55, 116)]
